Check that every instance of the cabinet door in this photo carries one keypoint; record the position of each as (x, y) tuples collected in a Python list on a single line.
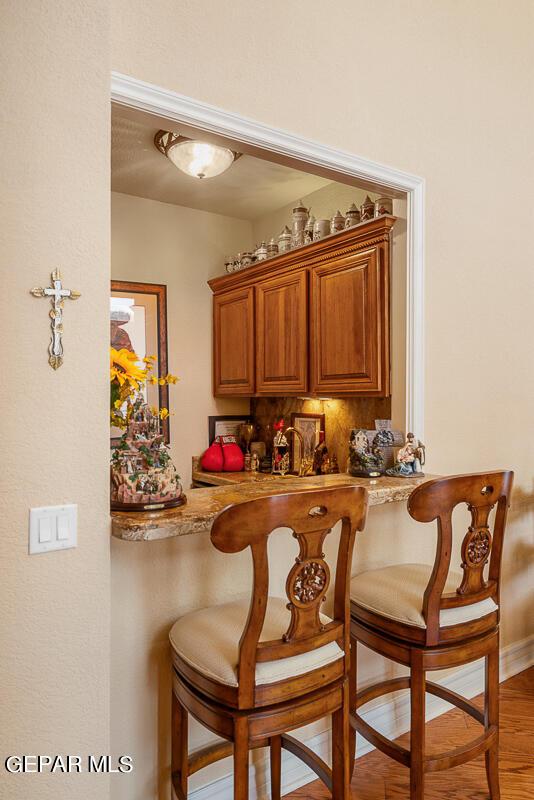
[(282, 334), (350, 325), (233, 343)]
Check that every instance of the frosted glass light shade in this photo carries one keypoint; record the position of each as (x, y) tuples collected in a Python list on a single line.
[(199, 159)]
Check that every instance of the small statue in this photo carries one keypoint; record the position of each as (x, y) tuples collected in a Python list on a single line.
[(410, 459), (364, 461), (280, 458), (254, 462)]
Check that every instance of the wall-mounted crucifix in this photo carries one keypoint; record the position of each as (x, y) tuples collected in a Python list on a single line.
[(57, 295)]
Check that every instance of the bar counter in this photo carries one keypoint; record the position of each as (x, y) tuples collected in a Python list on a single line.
[(204, 504)]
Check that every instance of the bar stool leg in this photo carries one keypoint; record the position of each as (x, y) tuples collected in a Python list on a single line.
[(340, 748), (240, 758), (179, 757), (353, 692), (276, 767), (417, 728), (491, 714)]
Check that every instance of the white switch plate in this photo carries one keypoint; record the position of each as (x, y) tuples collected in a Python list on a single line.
[(53, 528)]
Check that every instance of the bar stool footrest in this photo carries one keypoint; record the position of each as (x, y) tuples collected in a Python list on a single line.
[(311, 759), (432, 763)]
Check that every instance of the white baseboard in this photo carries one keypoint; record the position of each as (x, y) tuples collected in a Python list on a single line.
[(391, 717)]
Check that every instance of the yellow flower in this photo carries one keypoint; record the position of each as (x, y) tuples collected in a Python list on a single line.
[(123, 367), (149, 359), (117, 403), (171, 378), (163, 413), (153, 379), (162, 381)]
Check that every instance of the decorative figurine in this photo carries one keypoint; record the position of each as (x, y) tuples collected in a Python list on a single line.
[(367, 209), (143, 476), (254, 462), (410, 459), (365, 461), (320, 454), (337, 223), (280, 458), (352, 216)]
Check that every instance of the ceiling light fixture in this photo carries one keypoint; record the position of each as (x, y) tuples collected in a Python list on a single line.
[(198, 159)]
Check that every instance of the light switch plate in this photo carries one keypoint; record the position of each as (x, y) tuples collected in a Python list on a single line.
[(53, 528)]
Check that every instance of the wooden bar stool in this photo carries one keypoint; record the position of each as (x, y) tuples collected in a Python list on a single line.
[(428, 618), (254, 669)]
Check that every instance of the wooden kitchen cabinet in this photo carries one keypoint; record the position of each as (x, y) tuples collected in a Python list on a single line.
[(233, 343), (282, 334), (312, 321), (350, 330)]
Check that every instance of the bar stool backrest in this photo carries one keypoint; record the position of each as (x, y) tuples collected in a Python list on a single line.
[(311, 515), (436, 500)]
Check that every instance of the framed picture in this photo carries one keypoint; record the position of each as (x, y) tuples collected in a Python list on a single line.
[(138, 322), (226, 425), (309, 426)]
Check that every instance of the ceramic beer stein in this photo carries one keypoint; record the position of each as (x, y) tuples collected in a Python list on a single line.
[(337, 223), (272, 248), (384, 205), (352, 216), (367, 209), (284, 240), (321, 228)]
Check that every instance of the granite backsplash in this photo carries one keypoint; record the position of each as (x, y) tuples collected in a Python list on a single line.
[(341, 415)]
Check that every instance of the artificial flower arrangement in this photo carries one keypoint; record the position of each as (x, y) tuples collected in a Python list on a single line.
[(143, 476)]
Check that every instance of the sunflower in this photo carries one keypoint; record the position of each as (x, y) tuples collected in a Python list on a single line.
[(123, 368)]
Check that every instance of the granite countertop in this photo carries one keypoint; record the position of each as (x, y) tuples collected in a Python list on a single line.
[(204, 504)]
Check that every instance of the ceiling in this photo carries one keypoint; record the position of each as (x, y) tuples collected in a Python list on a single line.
[(251, 187)]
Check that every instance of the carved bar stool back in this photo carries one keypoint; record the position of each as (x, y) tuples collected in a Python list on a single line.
[(431, 618), (252, 670)]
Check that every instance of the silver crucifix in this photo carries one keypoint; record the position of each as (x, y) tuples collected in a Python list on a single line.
[(57, 295)]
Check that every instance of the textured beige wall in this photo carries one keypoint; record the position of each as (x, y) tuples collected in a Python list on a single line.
[(182, 248), (54, 207), (415, 85)]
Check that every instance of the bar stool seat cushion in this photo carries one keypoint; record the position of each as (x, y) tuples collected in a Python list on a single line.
[(208, 640), (397, 593)]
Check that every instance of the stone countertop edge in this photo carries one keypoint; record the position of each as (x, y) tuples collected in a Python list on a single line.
[(203, 504)]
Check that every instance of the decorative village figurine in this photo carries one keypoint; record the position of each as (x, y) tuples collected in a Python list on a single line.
[(365, 461), (410, 459), (143, 476), (280, 458)]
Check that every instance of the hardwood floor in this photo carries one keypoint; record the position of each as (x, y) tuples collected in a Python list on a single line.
[(378, 778)]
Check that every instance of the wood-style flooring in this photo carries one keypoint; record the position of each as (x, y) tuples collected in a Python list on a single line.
[(377, 777)]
